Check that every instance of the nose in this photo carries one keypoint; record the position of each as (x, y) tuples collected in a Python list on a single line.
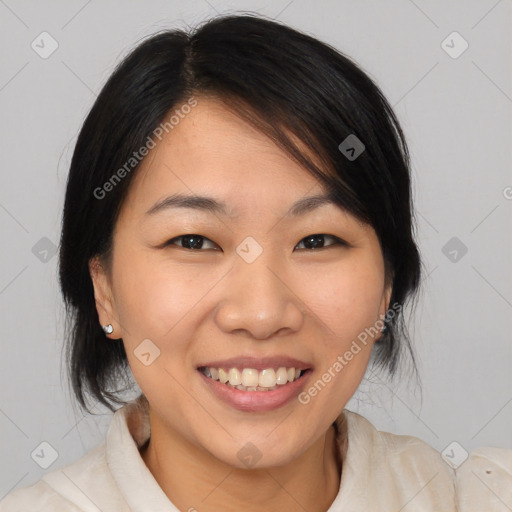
[(258, 302)]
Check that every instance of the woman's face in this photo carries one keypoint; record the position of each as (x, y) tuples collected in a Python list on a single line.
[(251, 290)]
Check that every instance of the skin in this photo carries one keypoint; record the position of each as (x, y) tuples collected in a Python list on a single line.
[(204, 304)]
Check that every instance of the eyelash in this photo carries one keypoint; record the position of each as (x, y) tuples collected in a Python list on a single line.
[(337, 241)]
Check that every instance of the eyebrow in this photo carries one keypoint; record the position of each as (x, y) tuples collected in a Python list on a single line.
[(211, 205)]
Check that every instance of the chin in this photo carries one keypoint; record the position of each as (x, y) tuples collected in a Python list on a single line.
[(261, 451)]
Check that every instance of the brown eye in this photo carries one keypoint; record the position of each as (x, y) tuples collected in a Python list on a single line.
[(191, 242), (198, 242), (318, 241)]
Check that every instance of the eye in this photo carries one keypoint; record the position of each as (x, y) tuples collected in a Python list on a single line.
[(198, 242), (318, 241), (191, 242)]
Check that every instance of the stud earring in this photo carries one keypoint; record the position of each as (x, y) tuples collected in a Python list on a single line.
[(108, 328)]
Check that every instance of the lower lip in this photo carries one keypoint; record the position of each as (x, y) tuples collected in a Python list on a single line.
[(256, 401)]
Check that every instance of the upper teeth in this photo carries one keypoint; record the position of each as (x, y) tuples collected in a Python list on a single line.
[(251, 378)]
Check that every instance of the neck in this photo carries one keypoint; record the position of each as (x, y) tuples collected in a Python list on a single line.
[(195, 480)]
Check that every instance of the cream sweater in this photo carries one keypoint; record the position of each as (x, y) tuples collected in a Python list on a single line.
[(382, 472)]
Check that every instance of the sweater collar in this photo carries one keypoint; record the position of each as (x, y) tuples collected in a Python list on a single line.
[(130, 430)]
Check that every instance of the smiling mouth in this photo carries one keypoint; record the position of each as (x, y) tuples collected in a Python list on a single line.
[(251, 379)]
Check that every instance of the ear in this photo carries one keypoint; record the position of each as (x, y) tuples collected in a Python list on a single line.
[(386, 298), (103, 297), (384, 305)]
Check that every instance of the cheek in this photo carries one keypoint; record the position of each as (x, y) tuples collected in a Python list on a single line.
[(346, 298), (153, 301), (152, 298)]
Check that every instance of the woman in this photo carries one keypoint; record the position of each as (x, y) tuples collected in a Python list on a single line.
[(238, 232)]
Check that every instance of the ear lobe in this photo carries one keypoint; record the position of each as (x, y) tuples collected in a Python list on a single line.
[(103, 295)]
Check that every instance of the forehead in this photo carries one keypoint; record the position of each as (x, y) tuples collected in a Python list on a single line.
[(211, 151)]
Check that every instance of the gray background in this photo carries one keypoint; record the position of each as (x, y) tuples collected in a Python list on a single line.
[(455, 113)]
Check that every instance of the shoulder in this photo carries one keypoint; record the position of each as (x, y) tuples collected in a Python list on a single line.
[(484, 480), (388, 448), (407, 466), (37, 497), (394, 471), (77, 487)]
